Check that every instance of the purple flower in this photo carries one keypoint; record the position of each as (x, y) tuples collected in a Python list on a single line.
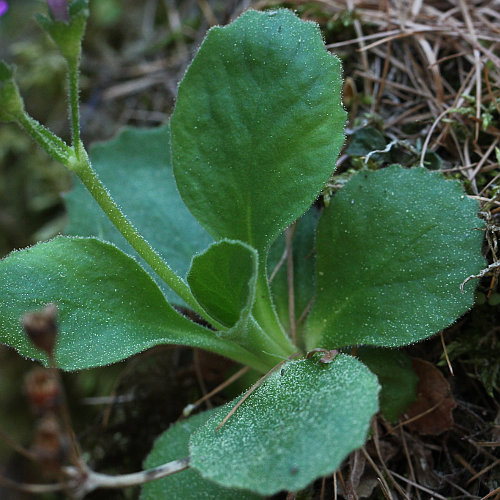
[(4, 7), (59, 10)]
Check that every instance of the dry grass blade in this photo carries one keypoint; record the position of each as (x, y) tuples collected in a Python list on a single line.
[(189, 408), (253, 388)]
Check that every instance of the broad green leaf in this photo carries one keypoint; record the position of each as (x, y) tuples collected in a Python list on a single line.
[(396, 377), (136, 169), (109, 307), (393, 247), (365, 140), (186, 485), (257, 126), (304, 281), (297, 426), (223, 281)]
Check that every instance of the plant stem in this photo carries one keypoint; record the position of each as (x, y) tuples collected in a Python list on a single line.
[(265, 313), (233, 350), (83, 480), (95, 480), (74, 106), (268, 348), (92, 182), (48, 141)]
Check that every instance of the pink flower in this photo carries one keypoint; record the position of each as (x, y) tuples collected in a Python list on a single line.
[(4, 7)]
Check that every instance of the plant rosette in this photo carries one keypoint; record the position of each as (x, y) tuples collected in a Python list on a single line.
[(255, 134)]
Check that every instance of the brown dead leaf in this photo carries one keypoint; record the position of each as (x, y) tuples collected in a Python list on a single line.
[(432, 412)]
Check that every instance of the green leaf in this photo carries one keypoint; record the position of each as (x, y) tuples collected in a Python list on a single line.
[(297, 426), (11, 102), (187, 485), (136, 169), (223, 281), (364, 141), (109, 307), (393, 248), (257, 126), (304, 282), (396, 376)]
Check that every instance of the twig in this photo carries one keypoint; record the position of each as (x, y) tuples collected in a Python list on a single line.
[(376, 442), (419, 416), (189, 408), (484, 272), (323, 488), (477, 60), (199, 378), (64, 414), (289, 273), (383, 483), (364, 57), (429, 135), (408, 458), (491, 493), (36, 489), (17, 447), (420, 487), (253, 388), (446, 354), (481, 472), (82, 483), (278, 266)]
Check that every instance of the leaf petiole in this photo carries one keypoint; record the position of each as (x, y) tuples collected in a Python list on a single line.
[(88, 176)]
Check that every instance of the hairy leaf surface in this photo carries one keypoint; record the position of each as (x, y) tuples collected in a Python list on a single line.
[(109, 307), (297, 426), (393, 247), (257, 126)]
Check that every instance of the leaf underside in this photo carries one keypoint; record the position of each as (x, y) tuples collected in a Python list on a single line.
[(257, 126), (297, 426), (393, 247)]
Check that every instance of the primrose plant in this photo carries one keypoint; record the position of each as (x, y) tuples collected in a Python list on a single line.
[(212, 213)]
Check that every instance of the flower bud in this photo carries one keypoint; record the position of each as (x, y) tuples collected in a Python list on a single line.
[(41, 328), (66, 25), (59, 10)]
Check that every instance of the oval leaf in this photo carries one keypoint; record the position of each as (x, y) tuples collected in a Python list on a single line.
[(393, 248), (109, 307), (136, 169), (187, 485), (257, 126), (297, 426)]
